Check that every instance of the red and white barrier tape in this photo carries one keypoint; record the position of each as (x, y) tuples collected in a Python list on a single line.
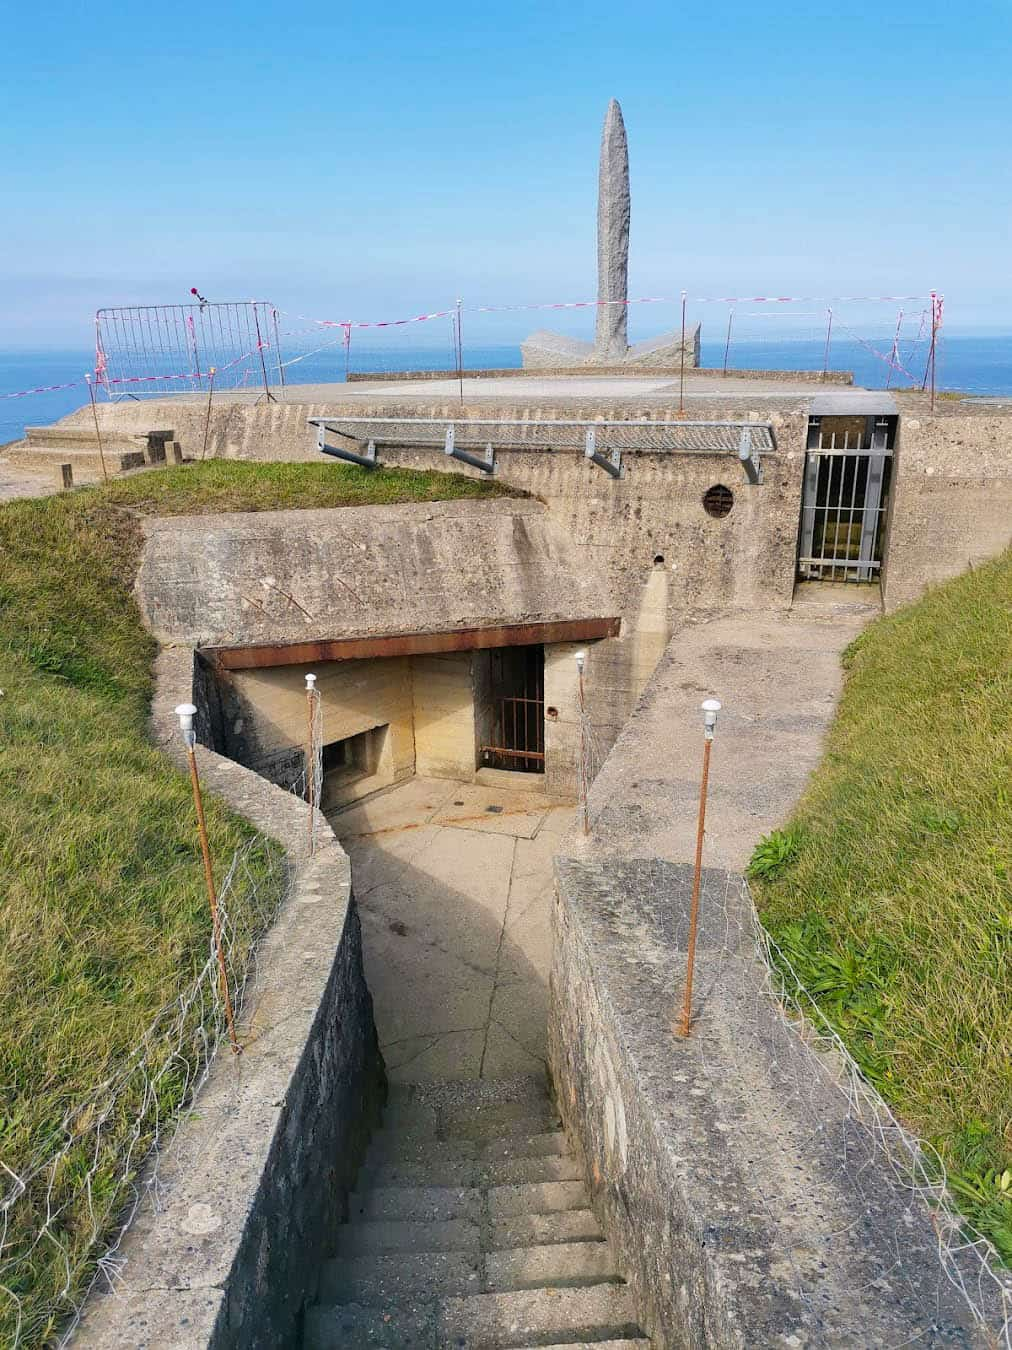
[(597, 304), (43, 389)]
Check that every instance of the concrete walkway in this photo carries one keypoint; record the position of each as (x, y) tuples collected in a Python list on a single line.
[(454, 884)]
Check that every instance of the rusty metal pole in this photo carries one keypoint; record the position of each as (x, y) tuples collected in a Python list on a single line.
[(711, 708), (311, 786), (186, 712), (98, 430), (207, 414), (581, 661)]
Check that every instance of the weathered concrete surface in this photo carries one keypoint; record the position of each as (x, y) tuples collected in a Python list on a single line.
[(732, 1174), (260, 1168), (16, 482), (282, 576), (454, 884), (779, 678), (554, 352), (951, 500)]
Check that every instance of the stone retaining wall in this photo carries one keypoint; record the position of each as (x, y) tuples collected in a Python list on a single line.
[(753, 1195), (258, 1172)]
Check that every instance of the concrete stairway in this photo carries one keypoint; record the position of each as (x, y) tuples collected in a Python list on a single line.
[(471, 1228), (49, 447)]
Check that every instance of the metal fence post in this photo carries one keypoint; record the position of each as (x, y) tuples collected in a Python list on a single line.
[(711, 707)]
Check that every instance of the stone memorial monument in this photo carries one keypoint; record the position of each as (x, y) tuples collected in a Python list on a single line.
[(545, 350)]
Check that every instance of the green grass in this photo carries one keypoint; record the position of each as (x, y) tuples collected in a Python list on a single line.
[(890, 891), (103, 915)]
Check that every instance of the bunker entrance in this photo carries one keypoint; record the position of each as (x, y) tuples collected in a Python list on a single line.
[(848, 469), (509, 697)]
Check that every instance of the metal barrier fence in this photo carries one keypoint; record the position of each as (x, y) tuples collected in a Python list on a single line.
[(169, 349)]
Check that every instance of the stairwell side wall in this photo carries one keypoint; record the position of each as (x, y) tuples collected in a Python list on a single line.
[(258, 1171)]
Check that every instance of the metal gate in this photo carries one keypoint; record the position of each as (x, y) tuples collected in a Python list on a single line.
[(847, 475), (516, 731)]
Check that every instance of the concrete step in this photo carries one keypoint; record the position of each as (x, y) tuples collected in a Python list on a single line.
[(638, 1343), (598, 1312), (461, 1093), (393, 1146), (117, 460), (471, 1172), (530, 1230), (505, 1202), (489, 1126), (399, 1277), (499, 1122), (84, 438), (557, 1264), (599, 1315), (409, 1235), (351, 1326), (464, 1234), (511, 779), (425, 1204)]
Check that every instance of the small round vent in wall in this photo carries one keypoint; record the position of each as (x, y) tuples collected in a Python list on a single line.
[(718, 500)]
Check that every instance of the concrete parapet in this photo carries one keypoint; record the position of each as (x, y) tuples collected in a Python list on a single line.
[(951, 500), (756, 1193), (258, 1171)]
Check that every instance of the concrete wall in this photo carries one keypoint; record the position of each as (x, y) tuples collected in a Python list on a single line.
[(950, 498), (258, 1172), (428, 705), (604, 533), (264, 715), (755, 1193), (951, 501), (444, 716)]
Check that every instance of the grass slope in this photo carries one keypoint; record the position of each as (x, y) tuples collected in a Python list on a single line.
[(891, 889), (103, 916)]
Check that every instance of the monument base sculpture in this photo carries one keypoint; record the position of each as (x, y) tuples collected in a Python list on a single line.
[(545, 350)]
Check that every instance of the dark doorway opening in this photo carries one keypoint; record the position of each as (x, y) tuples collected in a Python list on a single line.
[(848, 469), (347, 761), (509, 689)]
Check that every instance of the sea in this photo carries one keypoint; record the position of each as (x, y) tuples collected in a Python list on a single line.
[(975, 366)]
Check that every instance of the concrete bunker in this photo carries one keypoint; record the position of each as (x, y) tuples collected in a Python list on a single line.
[(489, 711)]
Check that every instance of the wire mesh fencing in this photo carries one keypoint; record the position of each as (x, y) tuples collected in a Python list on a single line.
[(153, 350), (66, 1207), (812, 1096)]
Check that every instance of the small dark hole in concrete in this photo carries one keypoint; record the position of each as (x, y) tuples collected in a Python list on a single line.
[(718, 500), (549, 712), (658, 559), (458, 803), (399, 928), (494, 810)]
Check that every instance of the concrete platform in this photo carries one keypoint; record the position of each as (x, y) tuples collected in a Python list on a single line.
[(527, 388), (454, 884)]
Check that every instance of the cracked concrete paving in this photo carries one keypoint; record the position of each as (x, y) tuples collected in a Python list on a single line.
[(454, 885)]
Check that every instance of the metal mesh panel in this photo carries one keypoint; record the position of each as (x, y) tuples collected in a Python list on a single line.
[(170, 349), (551, 434)]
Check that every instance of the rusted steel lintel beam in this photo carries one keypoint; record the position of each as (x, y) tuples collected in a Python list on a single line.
[(410, 644)]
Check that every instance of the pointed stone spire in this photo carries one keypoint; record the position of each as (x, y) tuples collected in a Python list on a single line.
[(611, 339)]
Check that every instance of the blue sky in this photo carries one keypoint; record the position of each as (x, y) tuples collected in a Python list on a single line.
[(371, 160)]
